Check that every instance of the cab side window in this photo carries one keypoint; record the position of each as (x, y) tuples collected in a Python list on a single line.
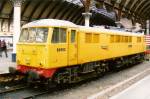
[(59, 35), (139, 39), (73, 36), (24, 35), (88, 37)]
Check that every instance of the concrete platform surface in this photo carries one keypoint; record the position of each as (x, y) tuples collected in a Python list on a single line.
[(139, 90), (6, 62)]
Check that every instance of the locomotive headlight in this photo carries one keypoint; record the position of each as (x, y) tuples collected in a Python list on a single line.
[(41, 64), (27, 61)]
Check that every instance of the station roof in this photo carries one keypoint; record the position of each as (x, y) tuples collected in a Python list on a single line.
[(70, 9)]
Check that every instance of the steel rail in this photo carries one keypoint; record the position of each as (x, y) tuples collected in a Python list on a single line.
[(36, 95), (13, 88)]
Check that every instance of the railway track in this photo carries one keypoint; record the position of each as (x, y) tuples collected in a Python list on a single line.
[(7, 78), (19, 90), (11, 89), (23, 92), (13, 84), (36, 95)]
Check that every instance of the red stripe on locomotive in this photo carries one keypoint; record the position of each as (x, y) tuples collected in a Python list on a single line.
[(47, 73)]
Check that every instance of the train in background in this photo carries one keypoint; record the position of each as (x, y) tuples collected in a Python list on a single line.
[(147, 52), (59, 51), (147, 40)]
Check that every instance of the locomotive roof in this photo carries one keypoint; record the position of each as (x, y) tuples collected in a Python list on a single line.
[(64, 23), (108, 31), (50, 22)]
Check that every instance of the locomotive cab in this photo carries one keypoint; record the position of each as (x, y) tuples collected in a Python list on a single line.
[(43, 49), (32, 46)]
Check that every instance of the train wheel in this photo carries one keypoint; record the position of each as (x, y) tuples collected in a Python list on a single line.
[(12, 70), (99, 72), (50, 84), (102, 69), (67, 76)]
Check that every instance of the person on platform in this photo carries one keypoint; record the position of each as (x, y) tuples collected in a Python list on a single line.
[(4, 47)]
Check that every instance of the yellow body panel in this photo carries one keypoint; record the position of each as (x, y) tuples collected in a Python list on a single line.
[(105, 50), (32, 55), (48, 55), (72, 49), (57, 58)]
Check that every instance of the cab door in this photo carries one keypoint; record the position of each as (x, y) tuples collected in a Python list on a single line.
[(59, 47), (72, 47)]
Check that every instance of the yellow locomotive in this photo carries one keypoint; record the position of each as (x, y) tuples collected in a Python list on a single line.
[(63, 52)]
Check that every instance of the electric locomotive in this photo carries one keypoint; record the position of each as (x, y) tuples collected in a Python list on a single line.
[(60, 51)]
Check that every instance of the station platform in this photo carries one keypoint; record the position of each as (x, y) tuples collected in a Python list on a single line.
[(6, 62), (139, 90)]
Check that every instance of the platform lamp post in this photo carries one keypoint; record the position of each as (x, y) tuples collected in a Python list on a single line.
[(16, 24), (87, 14)]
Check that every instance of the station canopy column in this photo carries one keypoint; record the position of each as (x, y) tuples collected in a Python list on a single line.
[(16, 24), (147, 27), (87, 16)]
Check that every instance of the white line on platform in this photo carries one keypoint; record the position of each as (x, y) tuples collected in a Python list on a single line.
[(94, 96)]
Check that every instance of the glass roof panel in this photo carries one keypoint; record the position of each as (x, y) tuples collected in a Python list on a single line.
[(77, 2)]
